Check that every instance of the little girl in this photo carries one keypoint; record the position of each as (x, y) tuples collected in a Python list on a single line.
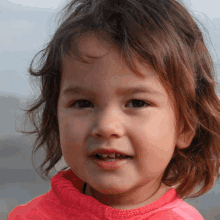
[(125, 161)]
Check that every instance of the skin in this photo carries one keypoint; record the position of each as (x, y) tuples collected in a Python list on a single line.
[(146, 132)]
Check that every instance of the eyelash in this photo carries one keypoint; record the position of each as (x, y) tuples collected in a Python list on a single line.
[(82, 100)]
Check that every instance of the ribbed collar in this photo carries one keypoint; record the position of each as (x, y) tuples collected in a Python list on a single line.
[(68, 189)]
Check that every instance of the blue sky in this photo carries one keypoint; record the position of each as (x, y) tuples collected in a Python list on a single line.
[(27, 25)]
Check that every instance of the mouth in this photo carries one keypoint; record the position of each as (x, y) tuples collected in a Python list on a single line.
[(108, 162), (105, 157), (108, 155)]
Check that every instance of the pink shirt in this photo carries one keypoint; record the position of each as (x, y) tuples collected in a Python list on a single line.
[(65, 200)]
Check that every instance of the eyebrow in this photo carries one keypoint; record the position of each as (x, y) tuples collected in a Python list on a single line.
[(71, 90)]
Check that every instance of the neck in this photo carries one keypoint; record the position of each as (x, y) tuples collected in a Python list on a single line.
[(87, 190), (160, 191)]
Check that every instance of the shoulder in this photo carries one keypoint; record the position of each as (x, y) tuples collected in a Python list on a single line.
[(23, 213), (34, 209), (183, 212)]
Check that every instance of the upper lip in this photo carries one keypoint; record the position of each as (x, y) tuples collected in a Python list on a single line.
[(106, 151)]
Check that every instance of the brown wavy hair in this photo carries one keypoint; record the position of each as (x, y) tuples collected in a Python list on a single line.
[(162, 34)]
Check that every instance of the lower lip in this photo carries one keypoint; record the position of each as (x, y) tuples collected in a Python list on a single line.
[(110, 165)]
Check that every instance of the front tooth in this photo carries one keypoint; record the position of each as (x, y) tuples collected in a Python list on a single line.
[(118, 155), (104, 155), (112, 155)]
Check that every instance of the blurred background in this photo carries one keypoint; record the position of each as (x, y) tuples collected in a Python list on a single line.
[(26, 26)]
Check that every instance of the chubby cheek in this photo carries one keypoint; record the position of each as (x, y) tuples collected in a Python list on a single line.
[(156, 146), (71, 137)]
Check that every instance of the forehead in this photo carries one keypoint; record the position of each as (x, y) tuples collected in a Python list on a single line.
[(99, 80), (93, 49), (108, 69), (92, 45), (104, 72)]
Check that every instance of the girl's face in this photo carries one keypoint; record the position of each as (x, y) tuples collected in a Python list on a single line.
[(141, 125)]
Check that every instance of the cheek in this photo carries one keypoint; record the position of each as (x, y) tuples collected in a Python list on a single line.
[(156, 144), (72, 134), (160, 126), (70, 143)]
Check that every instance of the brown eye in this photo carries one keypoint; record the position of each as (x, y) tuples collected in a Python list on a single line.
[(82, 103), (86, 104), (137, 102)]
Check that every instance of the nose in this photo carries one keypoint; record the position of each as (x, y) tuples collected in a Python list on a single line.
[(108, 124)]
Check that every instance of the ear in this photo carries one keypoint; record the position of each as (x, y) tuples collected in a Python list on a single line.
[(185, 138)]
